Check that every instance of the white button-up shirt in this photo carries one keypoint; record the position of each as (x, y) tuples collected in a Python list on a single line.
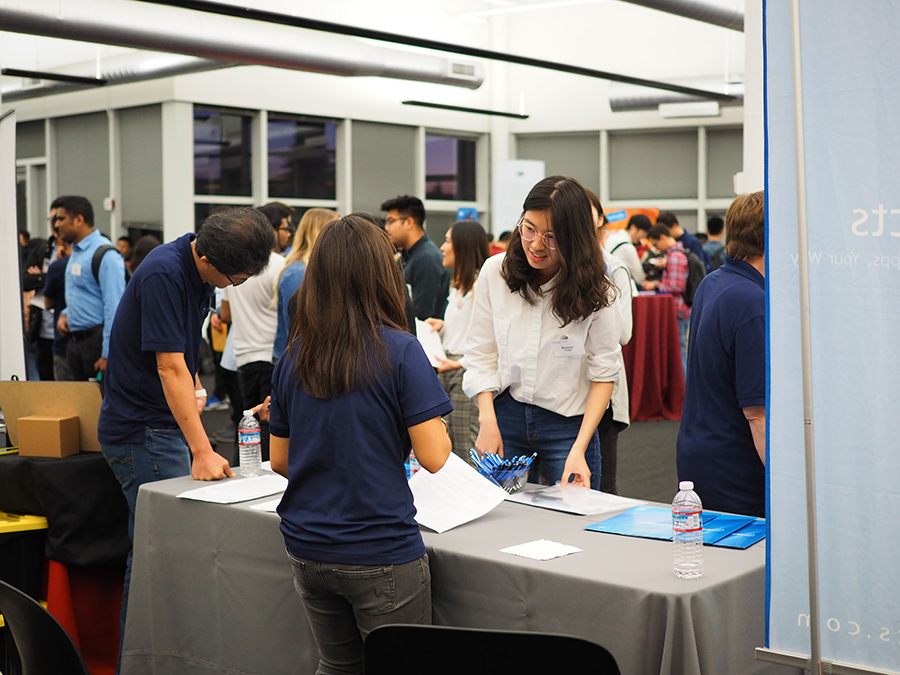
[(513, 344)]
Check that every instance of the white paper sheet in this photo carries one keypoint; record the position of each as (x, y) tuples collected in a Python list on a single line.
[(575, 499), (271, 506), (232, 490), (542, 549), (431, 342), (454, 495)]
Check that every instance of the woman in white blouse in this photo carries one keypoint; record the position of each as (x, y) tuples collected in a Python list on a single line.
[(542, 350), (465, 250)]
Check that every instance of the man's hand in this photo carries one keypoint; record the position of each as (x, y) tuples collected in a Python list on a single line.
[(446, 365), (650, 285), (215, 321), (34, 269), (100, 365), (210, 465), (62, 324)]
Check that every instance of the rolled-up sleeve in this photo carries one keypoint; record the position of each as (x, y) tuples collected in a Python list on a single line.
[(602, 345), (481, 356)]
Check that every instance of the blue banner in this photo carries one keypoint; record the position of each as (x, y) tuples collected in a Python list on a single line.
[(851, 98)]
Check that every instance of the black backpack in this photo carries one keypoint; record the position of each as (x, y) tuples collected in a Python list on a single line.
[(98, 258), (696, 273)]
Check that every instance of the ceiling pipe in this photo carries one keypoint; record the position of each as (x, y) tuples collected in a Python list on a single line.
[(624, 98), (135, 67), (226, 39), (716, 14)]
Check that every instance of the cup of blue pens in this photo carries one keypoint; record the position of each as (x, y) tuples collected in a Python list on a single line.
[(509, 473)]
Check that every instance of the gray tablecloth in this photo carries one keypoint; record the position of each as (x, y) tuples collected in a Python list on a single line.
[(211, 592)]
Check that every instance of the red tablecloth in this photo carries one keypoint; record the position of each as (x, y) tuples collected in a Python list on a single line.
[(653, 360)]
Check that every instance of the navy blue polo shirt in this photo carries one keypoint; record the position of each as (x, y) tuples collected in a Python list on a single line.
[(161, 311), (347, 499), (726, 372)]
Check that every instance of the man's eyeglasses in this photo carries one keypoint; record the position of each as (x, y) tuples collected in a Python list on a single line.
[(529, 233), (236, 283), (391, 221)]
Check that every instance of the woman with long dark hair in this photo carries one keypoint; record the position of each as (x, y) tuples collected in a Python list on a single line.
[(351, 395), (543, 344), (465, 250)]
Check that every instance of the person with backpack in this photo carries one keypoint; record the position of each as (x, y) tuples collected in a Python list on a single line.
[(91, 298), (675, 280)]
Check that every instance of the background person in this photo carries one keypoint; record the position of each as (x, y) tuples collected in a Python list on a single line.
[(291, 275), (722, 438), (543, 344), (674, 280), (347, 514), (465, 250), (279, 216)]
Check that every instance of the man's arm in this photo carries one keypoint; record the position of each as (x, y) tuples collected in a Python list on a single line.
[(756, 416), (112, 286), (179, 386), (675, 276), (425, 277)]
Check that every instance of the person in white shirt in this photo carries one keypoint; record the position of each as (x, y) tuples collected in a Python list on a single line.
[(616, 418), (619, 243), (250, 309), (464, 250), (542, 352)]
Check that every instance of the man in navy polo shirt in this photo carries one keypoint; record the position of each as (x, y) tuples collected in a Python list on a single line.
[(722, 439), (150, 420)]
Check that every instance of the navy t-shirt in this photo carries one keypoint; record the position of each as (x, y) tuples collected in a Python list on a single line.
[(55, 289), (162, 310), (726, 372), (347, 499)]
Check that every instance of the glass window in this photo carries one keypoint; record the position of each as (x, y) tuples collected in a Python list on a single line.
[(301, 157), (221, 153), (201, 211), (449, 168)]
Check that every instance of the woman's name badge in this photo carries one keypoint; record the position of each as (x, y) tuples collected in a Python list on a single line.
[(567, 347)]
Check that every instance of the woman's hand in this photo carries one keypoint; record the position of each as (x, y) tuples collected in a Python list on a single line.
[(436, 324), (489, 439), (446, 365), (576, 467)]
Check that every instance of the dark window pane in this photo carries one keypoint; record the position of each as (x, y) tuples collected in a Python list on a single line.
[(449, 168), (201, 211), (221, 153), (301, 158)]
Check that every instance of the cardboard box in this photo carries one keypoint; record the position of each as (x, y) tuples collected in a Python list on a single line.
[(48, 436)]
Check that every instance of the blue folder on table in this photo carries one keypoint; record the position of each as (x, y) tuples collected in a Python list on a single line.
[(746, 536), (717, 526)]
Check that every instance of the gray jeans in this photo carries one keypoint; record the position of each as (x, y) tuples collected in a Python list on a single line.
[(345, 602)]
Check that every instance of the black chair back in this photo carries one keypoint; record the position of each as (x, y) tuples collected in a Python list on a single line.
[(43, 644), (440, 650)]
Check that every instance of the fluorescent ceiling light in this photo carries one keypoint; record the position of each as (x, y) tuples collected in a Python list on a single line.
[(689, 109), (476, 17)]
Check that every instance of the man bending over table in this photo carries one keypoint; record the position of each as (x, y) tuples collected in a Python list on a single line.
[(150, 420)]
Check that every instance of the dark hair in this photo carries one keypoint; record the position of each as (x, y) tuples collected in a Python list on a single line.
[(583, 286), (640, 221), (666, 218), (143, 246), (75, 206), (470, 250), (746, 222), (505, 235), (25, 233), (595, 202), (658, 231), (125, 238), (276, 212), (407, 206), (715, 225), (352, 290), (236, 241)]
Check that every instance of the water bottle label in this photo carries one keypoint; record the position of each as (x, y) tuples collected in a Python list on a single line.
[(690, 521), (248, 437)]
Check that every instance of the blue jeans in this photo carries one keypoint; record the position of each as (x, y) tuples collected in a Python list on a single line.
[(163, 454), (683, 325), (344, 603), (527, 429)]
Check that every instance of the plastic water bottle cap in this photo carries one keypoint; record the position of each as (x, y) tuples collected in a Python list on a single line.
[(686, 485), (249, 413)]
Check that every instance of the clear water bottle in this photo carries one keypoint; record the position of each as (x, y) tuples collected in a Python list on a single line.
[(687, 532), (249, 445)]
